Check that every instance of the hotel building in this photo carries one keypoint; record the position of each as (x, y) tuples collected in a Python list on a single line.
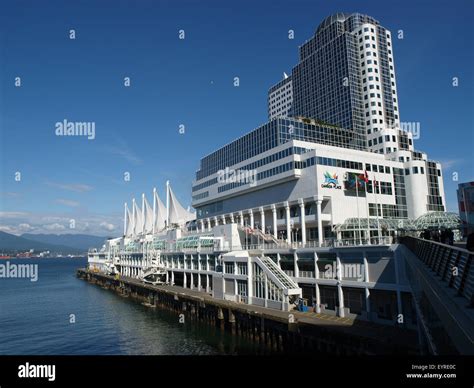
[(335, 117), (305, 205)]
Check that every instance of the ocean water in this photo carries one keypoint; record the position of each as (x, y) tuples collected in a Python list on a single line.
[(35, 318)]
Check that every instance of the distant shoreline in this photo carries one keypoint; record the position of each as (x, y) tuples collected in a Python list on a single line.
[(42, 258)]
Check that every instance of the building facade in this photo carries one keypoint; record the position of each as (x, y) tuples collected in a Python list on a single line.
[(334, 118), (307, 204), (280, 98), (346, 76), (465, 194), (268, 177)]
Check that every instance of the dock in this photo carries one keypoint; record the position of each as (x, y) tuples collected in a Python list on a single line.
[(275, 330)]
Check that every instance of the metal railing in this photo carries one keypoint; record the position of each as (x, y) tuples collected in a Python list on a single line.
[(452, 264), (326, 243), (289, 272)]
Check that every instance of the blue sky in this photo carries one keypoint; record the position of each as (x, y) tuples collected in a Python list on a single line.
[(188, 82)]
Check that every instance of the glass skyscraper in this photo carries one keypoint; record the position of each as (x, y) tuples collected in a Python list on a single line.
[(346, 77)]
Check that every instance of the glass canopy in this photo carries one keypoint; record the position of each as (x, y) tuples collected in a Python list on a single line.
[(438, 220), (431, 220)]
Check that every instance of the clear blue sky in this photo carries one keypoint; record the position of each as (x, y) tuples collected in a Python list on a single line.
[(189, 82)]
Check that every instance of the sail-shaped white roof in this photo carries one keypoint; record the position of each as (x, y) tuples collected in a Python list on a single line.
[(159, 213), (138, 219), (147, 215), (177, 213), (128, 222)]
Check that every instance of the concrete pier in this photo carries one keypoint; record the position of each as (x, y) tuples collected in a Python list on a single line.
[(274, 330)]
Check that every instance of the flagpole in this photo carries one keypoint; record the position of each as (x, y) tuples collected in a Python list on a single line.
[(377, 207), (367, 206), (358, 214)]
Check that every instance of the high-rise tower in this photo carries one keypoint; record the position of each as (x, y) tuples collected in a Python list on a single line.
[(346, 76)]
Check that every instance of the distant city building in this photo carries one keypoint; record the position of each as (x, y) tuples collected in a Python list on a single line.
[(466, 206)]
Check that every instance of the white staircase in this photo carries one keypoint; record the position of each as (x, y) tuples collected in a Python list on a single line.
[(277, 273)]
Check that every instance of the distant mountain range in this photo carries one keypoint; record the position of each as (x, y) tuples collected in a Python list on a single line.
[(79, 241), (65, 244)]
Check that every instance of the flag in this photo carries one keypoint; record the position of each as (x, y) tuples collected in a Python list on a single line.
[(366, 176), (361, 178)]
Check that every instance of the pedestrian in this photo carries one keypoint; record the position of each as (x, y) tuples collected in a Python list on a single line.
[(450, 235), (443, 236), (427, 234)]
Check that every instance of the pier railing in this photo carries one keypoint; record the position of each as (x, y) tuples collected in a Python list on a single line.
[(452, 264), (441, 279)]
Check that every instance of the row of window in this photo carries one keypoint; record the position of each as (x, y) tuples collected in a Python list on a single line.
[(375, 168), (229, 268), (385, 187), (199, 196), (339, 163), (415, 170), (380, 188), (384, 210), (262, 175), (258, 163), (274, 133)]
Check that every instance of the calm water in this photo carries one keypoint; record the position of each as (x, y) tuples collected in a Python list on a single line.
[(35, 319)]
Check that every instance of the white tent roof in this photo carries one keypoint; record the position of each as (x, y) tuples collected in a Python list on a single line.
[(148, 216), (160, 213), (128, 222), (137, 218), (177, 213), (153, 219)]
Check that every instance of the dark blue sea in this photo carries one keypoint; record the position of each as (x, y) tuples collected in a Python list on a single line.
[(35, 318)]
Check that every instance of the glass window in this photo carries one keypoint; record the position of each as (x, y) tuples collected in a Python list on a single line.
[(229, 268)]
